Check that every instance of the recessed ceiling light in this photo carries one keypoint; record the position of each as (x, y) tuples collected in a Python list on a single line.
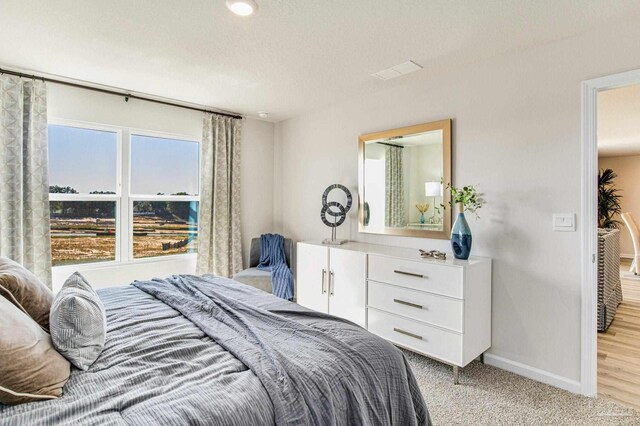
[(263, 114), (242, 7)]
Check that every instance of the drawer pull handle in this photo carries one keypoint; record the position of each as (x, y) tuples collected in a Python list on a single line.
[(403, 302), (406, 333), (412, 274)]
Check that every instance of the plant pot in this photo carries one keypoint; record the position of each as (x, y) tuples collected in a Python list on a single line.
[(461, 236)]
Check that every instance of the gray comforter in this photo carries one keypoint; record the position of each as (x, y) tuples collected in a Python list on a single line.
[(207, 350)]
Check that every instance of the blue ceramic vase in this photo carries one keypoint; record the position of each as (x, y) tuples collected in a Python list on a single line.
[(461, 236), (422, 219)]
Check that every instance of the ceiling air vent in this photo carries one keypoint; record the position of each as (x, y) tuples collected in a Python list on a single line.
[(397, 71)]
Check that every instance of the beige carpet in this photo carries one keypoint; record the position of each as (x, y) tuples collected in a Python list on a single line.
[(489, 396)]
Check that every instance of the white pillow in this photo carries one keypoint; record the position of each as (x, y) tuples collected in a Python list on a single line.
[(78, 323)]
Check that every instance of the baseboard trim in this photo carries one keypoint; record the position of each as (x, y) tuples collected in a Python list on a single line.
[(533, 373)]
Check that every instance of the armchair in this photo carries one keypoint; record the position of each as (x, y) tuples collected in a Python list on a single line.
[(255, 277)]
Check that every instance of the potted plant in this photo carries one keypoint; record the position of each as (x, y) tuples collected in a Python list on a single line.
[(608, 199), (465, 198)]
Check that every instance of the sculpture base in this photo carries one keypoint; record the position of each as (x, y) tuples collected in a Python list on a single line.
[(331, 242)]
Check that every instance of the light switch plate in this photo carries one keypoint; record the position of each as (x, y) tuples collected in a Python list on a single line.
[(564, 222)]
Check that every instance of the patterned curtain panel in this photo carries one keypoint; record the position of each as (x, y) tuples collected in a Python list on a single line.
[(394, 185), (24, 178), (219, 243)]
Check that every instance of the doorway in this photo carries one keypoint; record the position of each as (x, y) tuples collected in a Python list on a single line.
[(611, 298)]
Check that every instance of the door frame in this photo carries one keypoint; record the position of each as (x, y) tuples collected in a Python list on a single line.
[(589, 220)]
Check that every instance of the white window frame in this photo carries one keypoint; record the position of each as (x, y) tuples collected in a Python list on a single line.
[(128, 245), (123, 198)]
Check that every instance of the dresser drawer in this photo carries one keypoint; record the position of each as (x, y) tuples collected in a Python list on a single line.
[(425, 276), (437, 343), (418, 305)]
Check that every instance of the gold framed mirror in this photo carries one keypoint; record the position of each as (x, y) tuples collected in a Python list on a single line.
[(401, 178)]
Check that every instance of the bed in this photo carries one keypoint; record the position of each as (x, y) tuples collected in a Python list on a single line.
[(211, 351)]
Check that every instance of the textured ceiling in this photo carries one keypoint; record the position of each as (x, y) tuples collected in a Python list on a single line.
[(291, 57), (619, 122)]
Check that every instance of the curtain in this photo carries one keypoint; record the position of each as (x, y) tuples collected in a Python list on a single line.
[(219, 239), (24, 178), (394, 188)]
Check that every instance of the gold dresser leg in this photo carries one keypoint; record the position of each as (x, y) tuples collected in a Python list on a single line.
[(456, 375)]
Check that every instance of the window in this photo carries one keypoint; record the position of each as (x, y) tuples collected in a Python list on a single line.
[(119, 195), (164, 184)]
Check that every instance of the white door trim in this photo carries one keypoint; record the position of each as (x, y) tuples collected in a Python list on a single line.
[(589, 220)]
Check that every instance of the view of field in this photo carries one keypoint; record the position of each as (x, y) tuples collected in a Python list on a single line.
[(83, 231), (82, 240), (152, 234)]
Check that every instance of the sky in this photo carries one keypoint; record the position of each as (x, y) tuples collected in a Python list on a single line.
[(86, 160)]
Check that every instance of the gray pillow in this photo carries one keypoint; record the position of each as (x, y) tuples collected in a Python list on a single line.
[(78, 322)]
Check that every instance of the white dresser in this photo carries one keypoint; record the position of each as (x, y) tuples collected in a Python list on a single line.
[(438, 308)]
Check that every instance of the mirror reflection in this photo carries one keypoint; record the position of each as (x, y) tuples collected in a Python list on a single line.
[(402, 181)]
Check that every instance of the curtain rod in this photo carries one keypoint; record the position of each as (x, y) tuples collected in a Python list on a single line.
[(126, 95), (390, 144)]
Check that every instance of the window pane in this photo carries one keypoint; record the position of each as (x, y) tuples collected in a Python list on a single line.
[(162, 228), (164, 166), (82, 231), (82, 160)]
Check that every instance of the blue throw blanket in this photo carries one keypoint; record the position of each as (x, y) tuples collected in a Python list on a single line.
[(272, 258)]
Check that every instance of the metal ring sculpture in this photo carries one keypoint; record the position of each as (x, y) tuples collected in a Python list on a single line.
[(341, 214)]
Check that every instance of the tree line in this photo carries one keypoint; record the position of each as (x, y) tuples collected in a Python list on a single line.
[(168, 210)]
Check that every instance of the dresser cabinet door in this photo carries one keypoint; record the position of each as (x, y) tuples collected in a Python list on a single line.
[(313, 277), (347, 283)]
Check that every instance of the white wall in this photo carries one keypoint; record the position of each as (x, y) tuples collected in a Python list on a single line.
[(256, 170), (516, 133), (628, 182)]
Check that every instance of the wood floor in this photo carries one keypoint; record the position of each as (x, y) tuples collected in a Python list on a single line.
[(619, 348)]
